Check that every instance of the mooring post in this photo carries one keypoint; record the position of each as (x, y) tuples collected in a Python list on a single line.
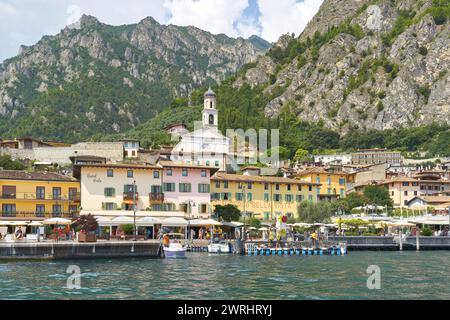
[(400, 238), (417, 239)]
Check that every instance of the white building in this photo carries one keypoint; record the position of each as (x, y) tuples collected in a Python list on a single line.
[(206, 145), (333, 158)]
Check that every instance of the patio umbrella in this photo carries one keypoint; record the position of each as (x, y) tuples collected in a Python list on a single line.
[(262, 229), (204, 222), (35, 224), (19, 223), (174, 222), (5, 223), (58, 221)]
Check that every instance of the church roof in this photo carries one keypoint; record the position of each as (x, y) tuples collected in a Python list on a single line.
[(210, 93)]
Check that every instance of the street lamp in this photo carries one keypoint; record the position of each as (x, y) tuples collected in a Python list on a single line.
[(134, 210), (190, 204)]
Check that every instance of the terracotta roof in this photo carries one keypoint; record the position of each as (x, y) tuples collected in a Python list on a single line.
[(172, 164), (436, 199), (399, 179), (262, 179), (320, 170), (38, 176), (119, 166)]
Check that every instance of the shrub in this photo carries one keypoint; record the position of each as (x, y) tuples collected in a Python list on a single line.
[(423, 50)]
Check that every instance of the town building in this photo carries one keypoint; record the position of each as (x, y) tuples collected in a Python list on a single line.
[(206, 146), (130, 148), (37, 195), (262, 197), (333, 184), (166, 189), (186, 188), (402, 190), (333, 158), (376, 156)]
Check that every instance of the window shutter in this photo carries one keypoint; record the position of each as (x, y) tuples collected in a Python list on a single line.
[(103, 206)]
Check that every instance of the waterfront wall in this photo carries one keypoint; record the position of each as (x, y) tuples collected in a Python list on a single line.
[(75, 250), (112, 151)]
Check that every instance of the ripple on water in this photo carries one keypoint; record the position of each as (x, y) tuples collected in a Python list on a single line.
[(406, 275)]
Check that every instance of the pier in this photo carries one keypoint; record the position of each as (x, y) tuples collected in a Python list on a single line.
[(76, 250)]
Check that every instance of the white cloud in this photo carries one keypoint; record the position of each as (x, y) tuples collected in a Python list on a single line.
[(285, 16), (215, 16), (7, 9)]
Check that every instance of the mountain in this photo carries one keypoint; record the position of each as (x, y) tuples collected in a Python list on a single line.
[(95, 78), (360, 64)]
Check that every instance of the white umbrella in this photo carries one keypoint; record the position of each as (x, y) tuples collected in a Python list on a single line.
[(35, 224), (19, 223), (61, 221), (262, 229)]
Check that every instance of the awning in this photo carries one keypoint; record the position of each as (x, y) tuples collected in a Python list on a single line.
[(122, 220), (233, 224), (204, 222), (174, 222), (148, 221)]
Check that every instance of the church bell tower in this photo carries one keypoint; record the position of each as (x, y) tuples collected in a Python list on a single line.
[(210, 116)]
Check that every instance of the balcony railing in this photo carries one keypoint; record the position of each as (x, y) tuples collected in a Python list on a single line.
[(43, 215), (156, 197), (128, 196), (35, 196)]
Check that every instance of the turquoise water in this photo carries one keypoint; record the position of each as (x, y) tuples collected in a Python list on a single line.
[(404, 275)]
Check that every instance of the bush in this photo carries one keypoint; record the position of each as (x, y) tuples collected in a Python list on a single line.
[(426, 232), (423, 50)]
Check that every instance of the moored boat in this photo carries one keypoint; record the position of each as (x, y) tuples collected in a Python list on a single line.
[(175, 249)]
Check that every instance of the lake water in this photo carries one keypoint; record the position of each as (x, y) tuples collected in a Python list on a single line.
[(404, 275)]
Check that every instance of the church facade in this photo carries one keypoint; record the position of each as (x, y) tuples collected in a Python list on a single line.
[(206, 146)]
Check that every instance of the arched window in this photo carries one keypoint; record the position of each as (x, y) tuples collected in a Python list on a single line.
[(211, 119)]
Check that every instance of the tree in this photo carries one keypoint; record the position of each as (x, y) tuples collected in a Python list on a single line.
[(8, 164), (302, 155), (312, 212), (255, 223), (86, 223), (227, 212), (354, 200), (377, 195)]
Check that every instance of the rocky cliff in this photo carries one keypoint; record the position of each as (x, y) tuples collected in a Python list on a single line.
[(362, 64), (93, 78)]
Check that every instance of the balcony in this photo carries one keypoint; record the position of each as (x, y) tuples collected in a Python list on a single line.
[(156, 198), (76, 197), (39, 197), (128, 197), (37, 215)]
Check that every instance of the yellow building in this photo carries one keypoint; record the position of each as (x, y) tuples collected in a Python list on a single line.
[(333, 183), (264, 197), (37, 195)]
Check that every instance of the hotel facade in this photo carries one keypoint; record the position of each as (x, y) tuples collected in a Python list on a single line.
[(167, 189), (261, 197), (37, 195)]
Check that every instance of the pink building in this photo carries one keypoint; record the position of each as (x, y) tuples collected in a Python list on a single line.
[(186, 188)]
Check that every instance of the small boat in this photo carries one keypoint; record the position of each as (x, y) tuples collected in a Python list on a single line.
[(219, 246), (175, 249)]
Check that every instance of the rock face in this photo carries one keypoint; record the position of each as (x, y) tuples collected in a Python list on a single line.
[(362, 64), (137, 68)]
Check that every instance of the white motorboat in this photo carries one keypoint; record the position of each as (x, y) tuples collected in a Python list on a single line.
[(175, 249), (219, 247)]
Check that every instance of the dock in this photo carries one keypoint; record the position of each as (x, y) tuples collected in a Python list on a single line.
[(49, 250)]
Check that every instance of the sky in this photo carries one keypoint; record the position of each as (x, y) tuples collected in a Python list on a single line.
[(26, 21)]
